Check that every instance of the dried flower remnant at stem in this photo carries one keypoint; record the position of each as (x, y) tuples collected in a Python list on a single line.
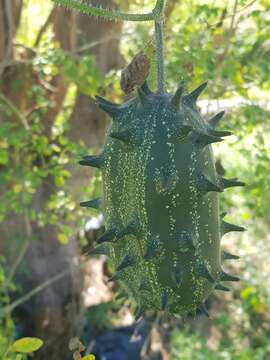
[(135, 74)]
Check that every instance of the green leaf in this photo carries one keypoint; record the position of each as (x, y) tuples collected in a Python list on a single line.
[(3, 157), (26, 345), (63, 238), (89, 357)]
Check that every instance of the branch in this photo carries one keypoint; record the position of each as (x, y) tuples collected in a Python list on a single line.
[(15, 110), (111, 14), (244, 8), (231, 32), (44, 27), (10, 307), (33, 292)]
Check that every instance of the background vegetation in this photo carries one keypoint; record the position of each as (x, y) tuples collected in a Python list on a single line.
[(52, 63)]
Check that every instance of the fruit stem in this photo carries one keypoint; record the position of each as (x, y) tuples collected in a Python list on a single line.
[(111, 14), (160, 56)]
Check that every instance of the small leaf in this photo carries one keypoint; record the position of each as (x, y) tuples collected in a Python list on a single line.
[(17, 188), (63, 238), (3, 157), (89, 357), (26, 345)]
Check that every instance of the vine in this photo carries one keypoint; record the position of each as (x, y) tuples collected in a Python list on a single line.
[(156, 15)]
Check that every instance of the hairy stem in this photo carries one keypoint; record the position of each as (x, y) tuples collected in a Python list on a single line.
[(155, 15), (160, 56), (111, 14), (159, 9)]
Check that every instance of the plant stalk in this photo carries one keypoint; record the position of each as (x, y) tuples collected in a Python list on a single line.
[(160, 56), (111, 14), (156, 15)]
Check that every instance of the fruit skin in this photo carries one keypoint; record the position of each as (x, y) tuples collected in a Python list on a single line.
[(160, 201)]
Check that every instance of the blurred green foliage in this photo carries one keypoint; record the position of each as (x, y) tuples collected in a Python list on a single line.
[(102, 316), (239, 331), (186, 345), (7, 326), (29, 156)]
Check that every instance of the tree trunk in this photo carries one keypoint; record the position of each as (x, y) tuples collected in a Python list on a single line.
[(10, 12)]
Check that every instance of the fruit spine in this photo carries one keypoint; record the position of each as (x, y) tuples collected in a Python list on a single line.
[(160, 200)]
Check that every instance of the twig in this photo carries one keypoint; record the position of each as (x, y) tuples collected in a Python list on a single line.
[(9, 308), (231, 29), (93, 44), (234, 13), (147, 340), (33, 292), (44, 27), (16, 62), (15, 110), (22, 251), (231, 32)]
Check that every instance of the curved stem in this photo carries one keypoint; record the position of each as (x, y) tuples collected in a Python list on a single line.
[(159, 9), (155, 15), (111, 14), (160, 57)]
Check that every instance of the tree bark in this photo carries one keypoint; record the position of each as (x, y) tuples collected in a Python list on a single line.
[(10, 12)]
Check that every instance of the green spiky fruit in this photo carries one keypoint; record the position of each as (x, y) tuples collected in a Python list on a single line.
[(160, 201)]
